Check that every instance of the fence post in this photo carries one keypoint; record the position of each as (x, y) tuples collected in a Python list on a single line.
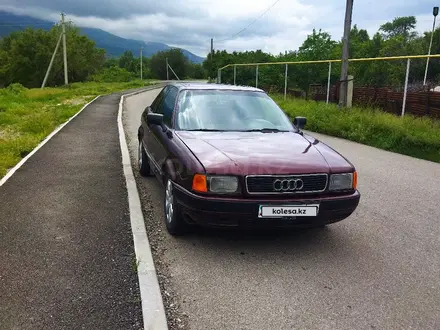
[(406, 86), (328, 80), (256, 76), (285, 83), (219, 76), (235, 72)]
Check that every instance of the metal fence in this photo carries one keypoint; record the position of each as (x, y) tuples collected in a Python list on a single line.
[(329, 63)]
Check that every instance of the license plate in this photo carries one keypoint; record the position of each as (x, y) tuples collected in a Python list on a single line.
[(309, 210)]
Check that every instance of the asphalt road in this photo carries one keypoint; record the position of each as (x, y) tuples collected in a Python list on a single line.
[(378, 269), (66, 248)]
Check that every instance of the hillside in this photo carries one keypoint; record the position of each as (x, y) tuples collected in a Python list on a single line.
[(113, 45)]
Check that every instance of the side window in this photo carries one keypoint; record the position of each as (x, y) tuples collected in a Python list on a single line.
[(158, 101), (168, 105)]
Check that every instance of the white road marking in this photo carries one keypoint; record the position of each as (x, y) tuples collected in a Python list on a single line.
[(42, 143), (152, 304)]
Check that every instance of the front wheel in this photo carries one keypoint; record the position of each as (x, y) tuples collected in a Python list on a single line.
[(173, 217), (143, 162)]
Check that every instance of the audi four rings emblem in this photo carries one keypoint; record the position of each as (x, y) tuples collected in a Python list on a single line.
[(288, 184)]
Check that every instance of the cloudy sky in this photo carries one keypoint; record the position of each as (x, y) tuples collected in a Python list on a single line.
[(191, 23)]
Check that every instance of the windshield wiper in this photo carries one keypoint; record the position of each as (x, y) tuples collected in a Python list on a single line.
[(205, 130), (265, 130)]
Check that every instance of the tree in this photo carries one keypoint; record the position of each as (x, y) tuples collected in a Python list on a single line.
[(176, 59), (127, 61), (317, 46), (196, 71), (400, 26), (25, 56)]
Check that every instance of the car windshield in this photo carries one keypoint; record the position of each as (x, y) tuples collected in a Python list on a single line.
[(230, 110)]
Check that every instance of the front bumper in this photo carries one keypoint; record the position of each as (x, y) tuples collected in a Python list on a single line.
[(243, 212)]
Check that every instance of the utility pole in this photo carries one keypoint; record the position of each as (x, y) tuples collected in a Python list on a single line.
[(212, 48), (51, 61), (141, 61), (212, 58), (345, 54), (166, 59), (66, 79), (434, 13)]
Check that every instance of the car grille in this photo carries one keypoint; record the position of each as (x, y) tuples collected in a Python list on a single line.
[(311, 183)]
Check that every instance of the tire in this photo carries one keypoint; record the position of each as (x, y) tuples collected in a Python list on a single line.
[(174, 221), (143, 161)]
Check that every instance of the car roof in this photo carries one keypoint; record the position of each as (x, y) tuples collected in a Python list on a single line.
[(213, 86)]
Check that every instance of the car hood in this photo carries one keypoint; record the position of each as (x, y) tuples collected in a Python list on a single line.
[(242, 153)]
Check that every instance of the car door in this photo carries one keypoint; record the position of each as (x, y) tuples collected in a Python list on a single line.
[(150, 131), (164, 137)]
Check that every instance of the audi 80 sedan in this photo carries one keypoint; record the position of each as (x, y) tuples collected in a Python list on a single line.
[(229, 156)]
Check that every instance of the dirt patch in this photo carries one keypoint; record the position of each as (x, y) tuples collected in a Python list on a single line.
[(77, 101), (8, 134)]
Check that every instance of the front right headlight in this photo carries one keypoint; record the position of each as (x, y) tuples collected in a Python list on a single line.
[(343, 181), (215, 183), (222, 184)]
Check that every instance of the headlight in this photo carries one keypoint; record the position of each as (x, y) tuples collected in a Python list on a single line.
[(222, 184), (343, 181), (215, 183)]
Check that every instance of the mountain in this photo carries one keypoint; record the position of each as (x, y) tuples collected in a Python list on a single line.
[(113, 45)]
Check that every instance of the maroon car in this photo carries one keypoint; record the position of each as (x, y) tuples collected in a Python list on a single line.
[(229, 156)]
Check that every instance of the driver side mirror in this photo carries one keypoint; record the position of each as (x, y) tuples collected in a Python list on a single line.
[(300, 122), (154, 119)]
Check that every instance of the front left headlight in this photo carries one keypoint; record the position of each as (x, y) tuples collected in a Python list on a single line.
[(343, 181)]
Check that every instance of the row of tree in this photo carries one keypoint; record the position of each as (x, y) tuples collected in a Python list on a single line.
[(25, 55), (156, 66), (395, 38)]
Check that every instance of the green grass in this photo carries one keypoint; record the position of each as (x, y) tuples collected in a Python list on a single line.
[(27, 116), (412, 136)]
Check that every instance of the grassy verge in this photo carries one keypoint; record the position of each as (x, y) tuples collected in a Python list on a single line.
[(412, 136), (27, 116)]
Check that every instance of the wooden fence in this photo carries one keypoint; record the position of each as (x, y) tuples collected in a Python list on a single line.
[(418, 103)]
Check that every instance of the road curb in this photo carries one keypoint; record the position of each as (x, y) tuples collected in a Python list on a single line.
[(153, 310)]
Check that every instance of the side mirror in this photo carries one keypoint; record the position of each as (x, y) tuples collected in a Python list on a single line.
[(154, 119), (300, 122), (147, 109)]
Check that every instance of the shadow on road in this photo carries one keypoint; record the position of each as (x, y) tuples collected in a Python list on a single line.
[(328, 241)]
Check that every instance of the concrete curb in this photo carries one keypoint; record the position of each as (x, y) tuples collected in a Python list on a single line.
[(153, 310)]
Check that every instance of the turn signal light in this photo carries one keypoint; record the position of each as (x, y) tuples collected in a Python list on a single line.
[(199, 183), (355, 179)]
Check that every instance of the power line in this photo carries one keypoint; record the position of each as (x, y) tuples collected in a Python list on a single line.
[(267, 10)]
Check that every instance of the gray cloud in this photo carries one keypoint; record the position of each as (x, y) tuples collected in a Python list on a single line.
[(191, 23), (110, 9)]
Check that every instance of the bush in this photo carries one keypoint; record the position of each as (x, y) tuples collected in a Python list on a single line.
[(412, 136), (113, 74), (13, 89)]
